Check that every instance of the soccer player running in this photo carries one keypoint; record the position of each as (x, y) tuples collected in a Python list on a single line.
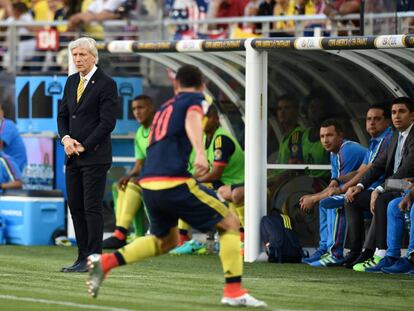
[(171, 193)]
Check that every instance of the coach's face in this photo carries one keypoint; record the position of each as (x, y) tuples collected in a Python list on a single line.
[(83, 59)]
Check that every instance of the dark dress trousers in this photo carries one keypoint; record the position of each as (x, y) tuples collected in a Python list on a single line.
[(383, 165), (90, 122)]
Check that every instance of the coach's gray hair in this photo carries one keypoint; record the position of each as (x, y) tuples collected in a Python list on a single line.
[(86, 43)]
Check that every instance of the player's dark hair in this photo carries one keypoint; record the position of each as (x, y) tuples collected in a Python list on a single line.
[(407, 101), (145, 98), (290, 99), (335, 123), (382, 106), (212, 110), (189, 76)]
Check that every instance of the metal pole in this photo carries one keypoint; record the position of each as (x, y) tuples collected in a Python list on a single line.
[(13, 44), (361, 18), (256, 148)]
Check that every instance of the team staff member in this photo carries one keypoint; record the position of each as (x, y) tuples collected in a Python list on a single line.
[(171, 193), (224, 154), (10, 175), (346, 157), (11, 142), (86, 118), (396, 163), (377, 126)]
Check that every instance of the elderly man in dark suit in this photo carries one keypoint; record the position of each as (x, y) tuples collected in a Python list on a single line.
[(397, 162), (86, 118)]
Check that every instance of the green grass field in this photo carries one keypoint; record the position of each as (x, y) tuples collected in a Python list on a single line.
[(29, 280)]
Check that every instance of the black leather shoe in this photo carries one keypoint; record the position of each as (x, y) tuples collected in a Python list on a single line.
[(72, 266), (113, 243), (79, 267), (350, 258)]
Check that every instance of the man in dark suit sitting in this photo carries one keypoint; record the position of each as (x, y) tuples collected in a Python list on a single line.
[(86, 118), (397, 162)]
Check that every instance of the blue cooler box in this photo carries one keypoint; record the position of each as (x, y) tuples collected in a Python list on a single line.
[(32, 216)]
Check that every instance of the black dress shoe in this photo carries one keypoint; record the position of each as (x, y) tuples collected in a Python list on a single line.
[(350, 258), (72, 266), (79, 267)]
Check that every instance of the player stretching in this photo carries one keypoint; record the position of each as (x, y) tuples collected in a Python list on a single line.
[(171, 193)]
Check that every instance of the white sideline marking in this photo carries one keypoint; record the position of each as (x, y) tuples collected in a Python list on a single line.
[(61, 303), (86, 306)]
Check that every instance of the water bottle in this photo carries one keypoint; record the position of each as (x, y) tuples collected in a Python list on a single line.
[(25, 177), (37, 183), (210, 242), (49, 177), (43, 177), (407, 220), (28, 175)]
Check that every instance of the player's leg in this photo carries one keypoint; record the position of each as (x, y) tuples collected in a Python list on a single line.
[(183, 229), (130, 206), (164, 239), (138, 221), (235, 195), (128, 203), (334, 206), (115, 192), (203, 210), (323, 238), (138, 250), (395, 232)]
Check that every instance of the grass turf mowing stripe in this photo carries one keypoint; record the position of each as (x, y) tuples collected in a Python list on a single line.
[(61, 303), (193, 283)]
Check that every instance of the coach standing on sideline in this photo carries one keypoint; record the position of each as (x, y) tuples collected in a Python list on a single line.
[(86, 118)]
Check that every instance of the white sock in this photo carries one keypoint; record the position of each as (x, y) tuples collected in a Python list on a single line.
[(380, 252)]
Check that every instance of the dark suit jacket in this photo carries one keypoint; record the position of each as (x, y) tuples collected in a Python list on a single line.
[(385, 163), (92, 120)]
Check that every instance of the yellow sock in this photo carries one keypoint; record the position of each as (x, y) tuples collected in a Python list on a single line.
[(140, 249), (182, 225), (230, 256), (119, 200), (239, 211), (129, 205)]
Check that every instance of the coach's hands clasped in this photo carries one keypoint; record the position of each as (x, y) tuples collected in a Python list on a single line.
[(72, 147)]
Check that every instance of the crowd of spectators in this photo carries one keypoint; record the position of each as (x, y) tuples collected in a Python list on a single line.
[(82, 17), (81, 14), (248, 8)]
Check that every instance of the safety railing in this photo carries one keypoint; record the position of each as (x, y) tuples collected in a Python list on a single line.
[(18, 50)]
